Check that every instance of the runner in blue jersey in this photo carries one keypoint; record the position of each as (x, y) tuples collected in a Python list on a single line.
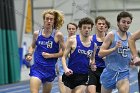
[(118, 57), (45, 46), (94, 79), (136, 58), (82, 53), (72, 29)]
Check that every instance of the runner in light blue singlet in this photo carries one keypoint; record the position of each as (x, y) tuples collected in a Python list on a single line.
[(117, 63)]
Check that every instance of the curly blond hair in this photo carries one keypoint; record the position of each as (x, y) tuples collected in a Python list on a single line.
[(58, 17)]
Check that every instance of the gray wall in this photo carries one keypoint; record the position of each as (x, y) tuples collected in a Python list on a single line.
[(19, 14), (75, 10)]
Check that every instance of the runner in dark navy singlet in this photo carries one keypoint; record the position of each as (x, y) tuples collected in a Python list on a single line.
[(94, 79), (82, 54)]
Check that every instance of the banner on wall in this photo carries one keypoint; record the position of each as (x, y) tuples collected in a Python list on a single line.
[(9, 54), (28, 25)]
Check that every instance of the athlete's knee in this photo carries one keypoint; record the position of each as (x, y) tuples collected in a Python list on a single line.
[(34, 91)]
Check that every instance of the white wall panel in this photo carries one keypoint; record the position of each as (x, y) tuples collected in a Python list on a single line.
[(133, 4), (106, 4), (19, 14), (74, 10), (64, 27), (43, 3), (38, 19), (64, 5)]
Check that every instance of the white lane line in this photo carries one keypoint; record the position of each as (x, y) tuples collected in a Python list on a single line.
[(134, 82), (19, 91)]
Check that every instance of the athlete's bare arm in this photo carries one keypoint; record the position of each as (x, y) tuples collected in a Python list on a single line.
[(92, 59), (32, 47), (104, 50), (69, 48), (135, 36)]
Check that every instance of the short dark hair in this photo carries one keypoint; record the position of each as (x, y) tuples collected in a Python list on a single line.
[(99, 18), (107, 23), (124, 14), (85, 20), (72, 24)]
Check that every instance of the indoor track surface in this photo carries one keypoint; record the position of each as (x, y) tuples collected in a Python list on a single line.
[(23, 86)]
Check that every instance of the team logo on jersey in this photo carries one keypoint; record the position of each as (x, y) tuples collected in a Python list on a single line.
[(49, 44), (88, 53), (46, 43), (123, 51)]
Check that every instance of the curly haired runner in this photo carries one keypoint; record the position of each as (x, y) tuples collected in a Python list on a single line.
[(82, 55), (47, 45)]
